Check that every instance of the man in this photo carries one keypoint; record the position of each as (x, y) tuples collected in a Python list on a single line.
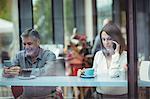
[(33, 57)]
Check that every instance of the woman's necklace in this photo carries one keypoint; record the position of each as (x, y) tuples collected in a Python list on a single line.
[(108, 61)]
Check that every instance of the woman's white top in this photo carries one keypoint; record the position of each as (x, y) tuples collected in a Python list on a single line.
[(116, 69)]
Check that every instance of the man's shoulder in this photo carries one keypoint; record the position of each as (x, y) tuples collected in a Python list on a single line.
[(19, 55), (20, 52), (48, 53)]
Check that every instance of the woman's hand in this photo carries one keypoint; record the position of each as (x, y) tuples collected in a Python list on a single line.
[(12, 71), (117, 49), (80, 72)]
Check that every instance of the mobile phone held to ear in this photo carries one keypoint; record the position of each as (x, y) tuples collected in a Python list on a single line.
[(114, 46), (7, 63)]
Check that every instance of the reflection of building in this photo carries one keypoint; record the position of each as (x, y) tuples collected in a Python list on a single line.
[(8, 37), (5, 26)]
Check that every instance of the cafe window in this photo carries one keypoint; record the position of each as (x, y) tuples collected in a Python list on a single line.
[(143, 46), (42, 21)]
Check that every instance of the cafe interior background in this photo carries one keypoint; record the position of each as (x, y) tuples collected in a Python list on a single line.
[(57, 20)]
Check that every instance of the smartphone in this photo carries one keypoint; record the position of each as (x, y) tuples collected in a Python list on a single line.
[(7, 63), (114, 46)]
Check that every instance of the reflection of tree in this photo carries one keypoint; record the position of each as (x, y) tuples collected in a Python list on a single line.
[(5, 9), (9, 40), (68, 20), (104, 11), (43, 19), (68, 13), (4, 41)]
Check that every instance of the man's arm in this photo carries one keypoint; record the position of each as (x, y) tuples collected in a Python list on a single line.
[(11, 71), (14, 70)]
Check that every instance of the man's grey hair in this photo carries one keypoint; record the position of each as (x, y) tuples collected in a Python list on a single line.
[(31, 33)]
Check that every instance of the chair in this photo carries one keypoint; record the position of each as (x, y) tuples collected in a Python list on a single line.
[(77, 61), (17, 91), (144, 71)]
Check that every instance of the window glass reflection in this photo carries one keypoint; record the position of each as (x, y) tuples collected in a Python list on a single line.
[(42, 16), (68, 20), (9, 37), (143, 46), (104, 10)]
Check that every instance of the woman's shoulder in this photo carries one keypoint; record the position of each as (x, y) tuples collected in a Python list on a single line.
[(99, 53), (124, 53)]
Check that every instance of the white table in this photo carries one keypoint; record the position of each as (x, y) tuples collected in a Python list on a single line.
[(142, 83), (64, 81)]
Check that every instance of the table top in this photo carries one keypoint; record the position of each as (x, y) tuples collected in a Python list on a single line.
[(143, 83), (69, 81), (64, 81)]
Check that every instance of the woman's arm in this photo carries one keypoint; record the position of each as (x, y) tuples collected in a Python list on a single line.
[(117, 64), (96, 59)]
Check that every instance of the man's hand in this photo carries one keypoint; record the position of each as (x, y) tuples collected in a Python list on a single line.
[(12, 71)]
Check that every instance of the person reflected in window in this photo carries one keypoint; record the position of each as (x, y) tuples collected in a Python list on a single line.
[(97, 43), (33, 56), (111, 61)]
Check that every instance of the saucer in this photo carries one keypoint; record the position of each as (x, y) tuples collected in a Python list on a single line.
[(26, 78), (87, 76)]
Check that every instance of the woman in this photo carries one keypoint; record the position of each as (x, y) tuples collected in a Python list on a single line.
[(111, 61)]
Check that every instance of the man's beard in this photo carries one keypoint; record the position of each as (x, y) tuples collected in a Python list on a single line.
[(32, 51)]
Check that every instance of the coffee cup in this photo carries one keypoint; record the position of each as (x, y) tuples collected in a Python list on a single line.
[(26, 72), (89, 72)]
